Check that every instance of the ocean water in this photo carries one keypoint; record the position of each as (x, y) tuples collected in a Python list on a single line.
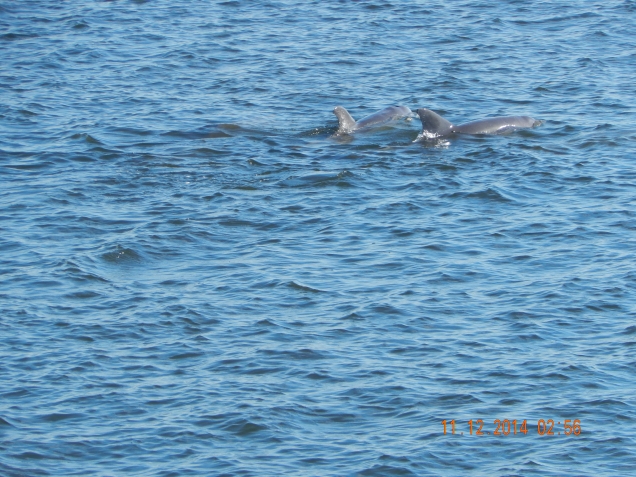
[(198, 277)]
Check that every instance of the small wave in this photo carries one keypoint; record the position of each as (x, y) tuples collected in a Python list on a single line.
[(254, 162), (314, 178), (186, 355), (196, 134), (488, 194), (243, 427), (4, 422), (426, 136), (121, 255), (557, 19), (132, 131), (237, 223), (431, 140), (17, 36), (82, 295), (87, 138), (298, 286), (630, 330), (207, 151), (58, 416)]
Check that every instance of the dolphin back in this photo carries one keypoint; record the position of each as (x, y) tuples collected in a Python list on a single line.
[(496, 125), (384, 116), (345, 122), (433, 125)]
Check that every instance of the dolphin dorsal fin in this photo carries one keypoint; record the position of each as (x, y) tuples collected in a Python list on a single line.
[(433, 125), (345, 122)]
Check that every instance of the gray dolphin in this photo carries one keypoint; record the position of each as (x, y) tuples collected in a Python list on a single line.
[(433, 125), (346, 124)]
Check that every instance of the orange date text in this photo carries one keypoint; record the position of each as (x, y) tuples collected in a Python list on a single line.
[(513, 427)]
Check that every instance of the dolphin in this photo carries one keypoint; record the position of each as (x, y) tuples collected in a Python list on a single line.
[(347, 125), (433, 125)]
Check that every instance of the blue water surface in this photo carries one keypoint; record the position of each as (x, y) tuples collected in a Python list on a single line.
[(198, 277)]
